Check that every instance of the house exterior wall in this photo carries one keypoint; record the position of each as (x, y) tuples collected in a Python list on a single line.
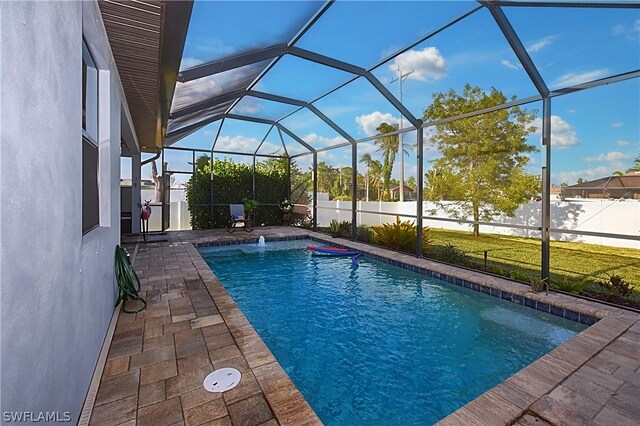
[(57, 285)]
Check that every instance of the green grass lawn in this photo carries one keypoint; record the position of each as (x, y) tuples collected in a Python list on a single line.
[(568, 259)]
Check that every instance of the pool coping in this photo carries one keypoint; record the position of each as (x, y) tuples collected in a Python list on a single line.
[(287, 403), (510, 399)]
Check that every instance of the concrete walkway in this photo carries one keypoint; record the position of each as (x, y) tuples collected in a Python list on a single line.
[(159, 358)]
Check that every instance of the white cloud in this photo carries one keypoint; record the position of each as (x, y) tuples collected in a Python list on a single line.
[(508, 64), (622, 143), (610, 157), (617, 124), (190, 62), (314, 139), (209, 132), (571, 110), (327, 157), (562, 134), (538, 45), (367, 148), (573, 78), (617, 29), (571, 177), (241, 143), (632, 31), (369, 122), (248, 105), (426, 64)]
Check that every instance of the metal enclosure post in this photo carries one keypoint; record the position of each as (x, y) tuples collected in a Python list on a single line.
[(210, 185), (546, 188), (420, 183), (288, 194), (354, 190), (315, 191), (136, 202), (162, 212), (253, 179)]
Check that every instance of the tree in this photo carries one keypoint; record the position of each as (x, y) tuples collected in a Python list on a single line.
[(636, 166), (366, 160), (389, 145), (580, 180), (483, 158), (411, 182), (301, 184), (375, 172), (327, 175)]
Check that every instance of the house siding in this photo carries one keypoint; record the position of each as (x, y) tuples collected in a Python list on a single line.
[(57, 285)]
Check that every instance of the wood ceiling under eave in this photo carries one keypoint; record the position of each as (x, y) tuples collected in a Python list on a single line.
[(147, 38)]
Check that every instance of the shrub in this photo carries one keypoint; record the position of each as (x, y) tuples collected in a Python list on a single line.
[(345, 229), (400, 236), (340, 229), (215, 185), (574, 286), (518, 275), (364, 234), (615, 287), (450, 254), (496, 270), (334, 227), (539, 285)]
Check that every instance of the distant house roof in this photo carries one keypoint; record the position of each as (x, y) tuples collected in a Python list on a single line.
[(397, 188), (630, 181)]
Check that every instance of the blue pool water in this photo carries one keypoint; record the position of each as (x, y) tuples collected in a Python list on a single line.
[(379, 344)]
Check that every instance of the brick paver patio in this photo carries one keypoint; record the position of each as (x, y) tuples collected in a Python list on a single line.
[(158, 358)]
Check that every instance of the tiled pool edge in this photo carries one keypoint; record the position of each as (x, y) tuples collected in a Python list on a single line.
[(587, 318), (530, 387), (287, 403)]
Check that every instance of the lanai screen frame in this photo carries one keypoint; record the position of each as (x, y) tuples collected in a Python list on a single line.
[(277, 52)]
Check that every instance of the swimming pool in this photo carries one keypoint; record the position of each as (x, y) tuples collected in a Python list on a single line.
[(380, 344)]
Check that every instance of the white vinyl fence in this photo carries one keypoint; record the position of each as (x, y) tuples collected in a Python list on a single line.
[(580, 215)]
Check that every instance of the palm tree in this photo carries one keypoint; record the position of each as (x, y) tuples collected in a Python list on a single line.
[(389, 146), (636, 166), (367, 160), (376, 175)]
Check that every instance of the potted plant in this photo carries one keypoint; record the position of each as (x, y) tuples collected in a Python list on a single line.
[(250, 207)]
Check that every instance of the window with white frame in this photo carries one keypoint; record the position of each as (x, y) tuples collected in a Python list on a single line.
[(90, 152)]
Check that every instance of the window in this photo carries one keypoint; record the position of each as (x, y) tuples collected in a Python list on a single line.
[(90, 157)]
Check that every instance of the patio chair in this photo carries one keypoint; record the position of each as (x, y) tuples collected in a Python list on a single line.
[(237, 216)]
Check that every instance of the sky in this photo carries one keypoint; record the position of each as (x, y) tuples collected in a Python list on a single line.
[(594, 132)]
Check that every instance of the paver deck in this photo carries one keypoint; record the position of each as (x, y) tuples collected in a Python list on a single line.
[(158, 358)]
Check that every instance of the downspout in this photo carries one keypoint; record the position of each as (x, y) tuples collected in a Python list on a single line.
[(155, 157)]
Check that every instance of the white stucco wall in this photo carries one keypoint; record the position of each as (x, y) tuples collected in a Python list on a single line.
[(57, 286)]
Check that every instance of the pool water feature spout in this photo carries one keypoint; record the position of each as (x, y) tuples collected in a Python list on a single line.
[(261, 242)]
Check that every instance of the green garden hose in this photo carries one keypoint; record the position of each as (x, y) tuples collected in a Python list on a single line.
[(125, 275)]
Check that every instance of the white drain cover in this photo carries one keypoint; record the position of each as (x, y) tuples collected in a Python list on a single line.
[(222, 380)]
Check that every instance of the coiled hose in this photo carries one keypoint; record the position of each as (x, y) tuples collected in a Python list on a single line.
[(125, 275)]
